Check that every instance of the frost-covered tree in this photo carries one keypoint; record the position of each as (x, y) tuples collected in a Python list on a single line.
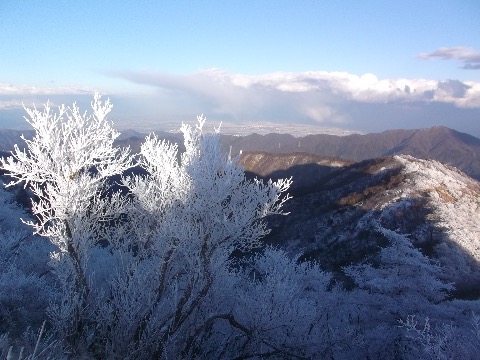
[(66, 165), (187, 217), (443, 340), (403, 273), (296, 306)]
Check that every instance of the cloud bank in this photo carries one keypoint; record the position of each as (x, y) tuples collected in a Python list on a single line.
[(312, 94), (333, 99), (468, 56), (363, 103), (14, 97)]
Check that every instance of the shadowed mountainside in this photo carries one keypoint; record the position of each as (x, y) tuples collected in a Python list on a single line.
[(8, 138), (306, 169)]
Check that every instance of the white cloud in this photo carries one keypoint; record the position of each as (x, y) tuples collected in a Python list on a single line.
[(359, 102), (330, 99), (13, 98), (16, 96), (231, 89), (469, 56), (9, 89), (10, 104), (322, 113)]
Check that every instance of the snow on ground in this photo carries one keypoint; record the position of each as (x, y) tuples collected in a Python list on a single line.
[(453, 196)]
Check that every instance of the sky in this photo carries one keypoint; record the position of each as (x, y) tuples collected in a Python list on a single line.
[(365, 66)]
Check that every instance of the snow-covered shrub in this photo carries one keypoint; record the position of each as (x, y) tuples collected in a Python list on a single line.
[(402, 282), (444, 340), (24, 290), (32, 344), (296, 306), (186, 218), (66, 165)]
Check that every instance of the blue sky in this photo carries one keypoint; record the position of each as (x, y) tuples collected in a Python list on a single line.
[(360, 65)]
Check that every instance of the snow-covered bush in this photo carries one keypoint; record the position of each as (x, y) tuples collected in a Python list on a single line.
[(444, 340), (23, 269), (184, 221), (402, 274), (401, 284)]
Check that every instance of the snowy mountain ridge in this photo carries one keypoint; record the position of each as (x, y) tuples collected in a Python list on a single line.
[(336, 221), (454, 198)]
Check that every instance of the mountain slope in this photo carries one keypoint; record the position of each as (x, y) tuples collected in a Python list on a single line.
[(436, 206), (307, 169), (8, 138)]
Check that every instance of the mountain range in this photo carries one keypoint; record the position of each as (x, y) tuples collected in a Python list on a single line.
[(344, 187), (438, 143)]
